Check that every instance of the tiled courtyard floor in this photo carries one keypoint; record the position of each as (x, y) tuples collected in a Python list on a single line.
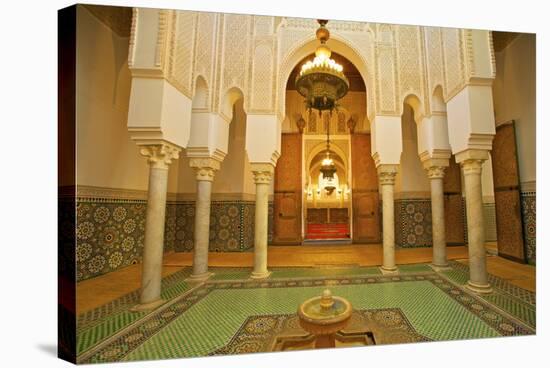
[(221, 316)]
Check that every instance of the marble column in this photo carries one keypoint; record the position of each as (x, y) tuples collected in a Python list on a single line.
[(263, 174), (436, 175), (159, 157), (471, 161), (205, 169), (386, 177)]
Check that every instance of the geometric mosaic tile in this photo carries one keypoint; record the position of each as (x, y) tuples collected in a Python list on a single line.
[(98, 324), (209, 317), (461, 272)]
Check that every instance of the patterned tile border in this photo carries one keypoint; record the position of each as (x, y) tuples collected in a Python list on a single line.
[(259, 332), (126, 301), (100, 323), (502, 285), (119, 346)]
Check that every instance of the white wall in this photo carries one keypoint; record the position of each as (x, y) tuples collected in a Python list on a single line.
[(514, 92), (411, 180), (106, 157), (235, 175)]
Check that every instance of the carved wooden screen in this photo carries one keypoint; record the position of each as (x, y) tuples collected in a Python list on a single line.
[(507, 195), (366, 216), (454, 210), (287, 203)]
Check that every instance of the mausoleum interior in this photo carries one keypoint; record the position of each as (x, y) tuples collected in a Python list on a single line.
[(213, 197)]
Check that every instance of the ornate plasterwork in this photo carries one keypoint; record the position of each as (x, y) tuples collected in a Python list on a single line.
[(236, 52), (181, 56), (256, 54), (263, 26), (160, 50), (294, 33), (205, 46), (409, 61), (133, 35), (159, 155), (386, 93), (434, 59), (262, 86), (469, 53), (453, 61)]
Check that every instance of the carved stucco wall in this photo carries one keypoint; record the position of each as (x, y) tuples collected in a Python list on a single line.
[(257, 53)]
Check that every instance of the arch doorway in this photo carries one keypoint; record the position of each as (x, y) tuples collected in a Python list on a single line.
[(307, 207)]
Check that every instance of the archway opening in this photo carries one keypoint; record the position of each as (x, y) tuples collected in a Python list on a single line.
[(324, 208)]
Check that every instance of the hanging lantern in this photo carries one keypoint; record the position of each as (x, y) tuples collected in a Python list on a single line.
[(322, 81), (327, 166)]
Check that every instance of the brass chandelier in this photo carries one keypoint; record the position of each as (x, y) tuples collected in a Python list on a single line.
[(322, 81)]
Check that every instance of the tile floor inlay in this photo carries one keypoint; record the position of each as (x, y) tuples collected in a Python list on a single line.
[(259, 333), (206, 319)]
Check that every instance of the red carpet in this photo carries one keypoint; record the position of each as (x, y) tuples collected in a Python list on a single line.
[(327, 231)]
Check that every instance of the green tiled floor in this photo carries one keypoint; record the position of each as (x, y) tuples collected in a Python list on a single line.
[(206, 319), (99, 324), (194, 334), (414, 268), (292, 272)]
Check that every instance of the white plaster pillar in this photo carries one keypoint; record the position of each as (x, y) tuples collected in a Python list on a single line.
[(436, 173), (159, 157), (263, 173), (205, 169), (471, 161), (386, 177)]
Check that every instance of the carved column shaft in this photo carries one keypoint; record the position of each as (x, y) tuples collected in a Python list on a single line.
[(386, 177), (159, 158), (262, 178), (205, 169)]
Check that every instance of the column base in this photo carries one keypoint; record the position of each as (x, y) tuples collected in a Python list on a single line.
[(388, 270), (439, 268), (260, 275), (480, 289), (201, 277), (146, 307)]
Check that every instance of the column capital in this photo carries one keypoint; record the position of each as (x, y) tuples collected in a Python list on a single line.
[(159, 155), (205, 167), (436, 172), (263, 172), (471, 166), (387, 173), (435, 167), (471, 160)]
